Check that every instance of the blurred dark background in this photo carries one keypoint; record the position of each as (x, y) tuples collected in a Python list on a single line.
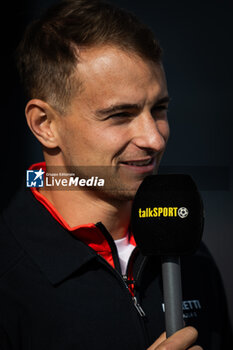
[(196, 37)]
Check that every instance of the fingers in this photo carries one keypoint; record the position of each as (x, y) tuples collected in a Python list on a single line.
[(180, 340), (158, 341), (183, 339)]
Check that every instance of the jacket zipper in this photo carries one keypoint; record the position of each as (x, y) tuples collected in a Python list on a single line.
[(117, 269), (129, 274), (139, 308)]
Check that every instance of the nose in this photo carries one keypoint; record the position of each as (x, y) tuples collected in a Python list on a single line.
[(151, 133)]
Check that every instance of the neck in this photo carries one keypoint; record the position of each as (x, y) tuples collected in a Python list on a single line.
[(83, 207)]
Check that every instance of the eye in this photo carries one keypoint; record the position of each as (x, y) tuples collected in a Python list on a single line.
[(160, 108), (120, 115), (157, 110)]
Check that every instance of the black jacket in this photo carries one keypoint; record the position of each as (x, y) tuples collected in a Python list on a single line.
[(57, 293)]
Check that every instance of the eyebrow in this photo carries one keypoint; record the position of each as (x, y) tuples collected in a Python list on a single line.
[(123, 106)]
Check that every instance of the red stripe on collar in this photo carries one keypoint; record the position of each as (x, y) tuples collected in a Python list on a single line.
[(89, 233)]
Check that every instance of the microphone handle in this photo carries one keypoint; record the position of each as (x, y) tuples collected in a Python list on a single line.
[(172, 293)]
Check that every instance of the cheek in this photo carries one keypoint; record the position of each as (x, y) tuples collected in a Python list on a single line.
[(164, 129), (88, 144), (71, 140), (111, 137)]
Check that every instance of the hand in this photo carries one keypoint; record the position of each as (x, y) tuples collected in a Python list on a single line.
[(180, 340)]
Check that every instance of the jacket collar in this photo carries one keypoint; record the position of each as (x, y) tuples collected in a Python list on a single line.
[(98, 242), (57, 252)]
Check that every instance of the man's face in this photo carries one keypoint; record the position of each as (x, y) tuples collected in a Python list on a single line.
[(118, 121)]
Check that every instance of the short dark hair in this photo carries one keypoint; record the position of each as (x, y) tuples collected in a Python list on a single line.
[(47, 55)]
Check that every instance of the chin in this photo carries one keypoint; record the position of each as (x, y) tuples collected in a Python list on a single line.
[(119, 192)]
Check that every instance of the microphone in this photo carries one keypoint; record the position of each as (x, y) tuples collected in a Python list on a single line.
[(167, 220)]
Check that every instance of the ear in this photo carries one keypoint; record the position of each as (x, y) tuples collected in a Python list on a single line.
[(41, 119)]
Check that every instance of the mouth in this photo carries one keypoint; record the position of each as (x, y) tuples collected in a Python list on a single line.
[(140, 165)]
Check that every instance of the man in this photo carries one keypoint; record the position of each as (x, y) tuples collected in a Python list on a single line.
[(71, 276)]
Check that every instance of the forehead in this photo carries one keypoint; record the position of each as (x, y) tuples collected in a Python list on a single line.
[(109, 74)]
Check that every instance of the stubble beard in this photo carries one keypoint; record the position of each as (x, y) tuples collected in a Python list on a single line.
[(119, 186)]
